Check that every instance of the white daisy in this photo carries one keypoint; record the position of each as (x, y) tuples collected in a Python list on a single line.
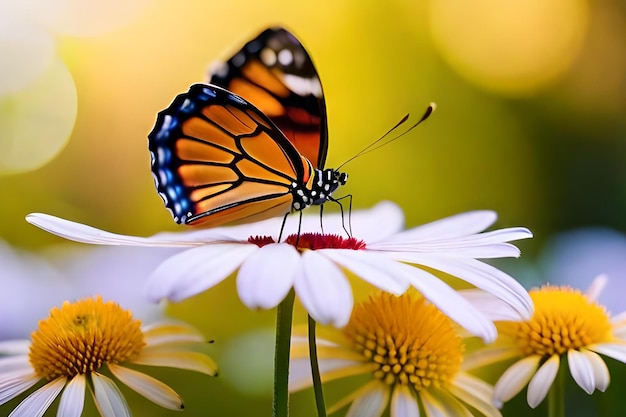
[(565, 323), (314, 263), (411, 351), (76, 342)]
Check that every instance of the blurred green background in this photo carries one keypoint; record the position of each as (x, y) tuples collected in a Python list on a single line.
[(530, 122)]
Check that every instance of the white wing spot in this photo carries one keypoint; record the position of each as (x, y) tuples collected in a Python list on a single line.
[(219, 68), (268, 56), (303, 86), (285, 57)]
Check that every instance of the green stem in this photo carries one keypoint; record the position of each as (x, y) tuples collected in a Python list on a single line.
[(556, 395), (284, 316), (315, 371)]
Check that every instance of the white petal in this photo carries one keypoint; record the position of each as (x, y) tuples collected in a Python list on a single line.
[(489, 305), (108, 397), (616, 351), (300, 371), (15, 347), (10, 364), (86, 234), (403, 402), (453, 305), (193, 361), (596, 287), (581, 370), (196, 270), (600, 370), (462, 224), (542, 381), (370, 403), (379, 222), (73, 398), (152, 389), (474, 392), (16, 382), (483, 276), (267, 275), (323, 290), (160, 334), (378, 270), (514, 379), (484, 245), (439, 403), (36, 404)]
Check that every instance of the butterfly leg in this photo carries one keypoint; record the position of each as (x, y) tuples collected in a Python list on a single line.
[(348, 229), (282, 227)]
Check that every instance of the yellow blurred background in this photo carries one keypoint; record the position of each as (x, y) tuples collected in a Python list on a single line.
[(530, 122)]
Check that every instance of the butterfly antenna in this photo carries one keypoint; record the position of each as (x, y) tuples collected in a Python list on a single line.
[(380, 142)]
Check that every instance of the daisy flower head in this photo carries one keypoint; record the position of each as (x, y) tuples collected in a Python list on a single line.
[(412, 353), (313, 262), (566, 324), (78, 341)]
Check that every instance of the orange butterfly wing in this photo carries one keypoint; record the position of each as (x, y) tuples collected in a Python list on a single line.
[(217, 159), (276, 74)]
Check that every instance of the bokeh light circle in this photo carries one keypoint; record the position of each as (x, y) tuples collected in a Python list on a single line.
[(513, 48), (26, 50), (36, 122)]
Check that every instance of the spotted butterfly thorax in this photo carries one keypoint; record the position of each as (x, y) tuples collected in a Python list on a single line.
[(249, 145)]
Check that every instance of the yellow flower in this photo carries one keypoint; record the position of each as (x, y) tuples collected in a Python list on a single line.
[(412, 352), (76, 342), (565, 322)]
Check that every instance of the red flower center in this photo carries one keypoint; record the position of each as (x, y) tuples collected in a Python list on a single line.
[(313, 241)]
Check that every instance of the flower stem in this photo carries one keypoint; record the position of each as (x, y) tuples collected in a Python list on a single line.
[(315, 371), (556, 395), (284, 315)]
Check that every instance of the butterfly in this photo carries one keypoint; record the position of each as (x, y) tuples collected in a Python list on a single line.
[(249, 145)]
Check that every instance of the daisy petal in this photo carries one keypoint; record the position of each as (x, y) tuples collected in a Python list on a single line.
[(263, 282), (15, 363), (323, 290), (193, 361), (616, 351), (170, 334), (453, 305), (195, 270), (596, 287), (514, 379), (73, 398), (15, 347), (474, 392), (108, 398), (542, 381), (403, 403), (600, 370), (483, 276), (16, 382), (462, 224), (438, 403), (371, 403), (372, 267), (581, 370), (86, 234), (152, 389), (489, 305), (36, 404), (330, 369)]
